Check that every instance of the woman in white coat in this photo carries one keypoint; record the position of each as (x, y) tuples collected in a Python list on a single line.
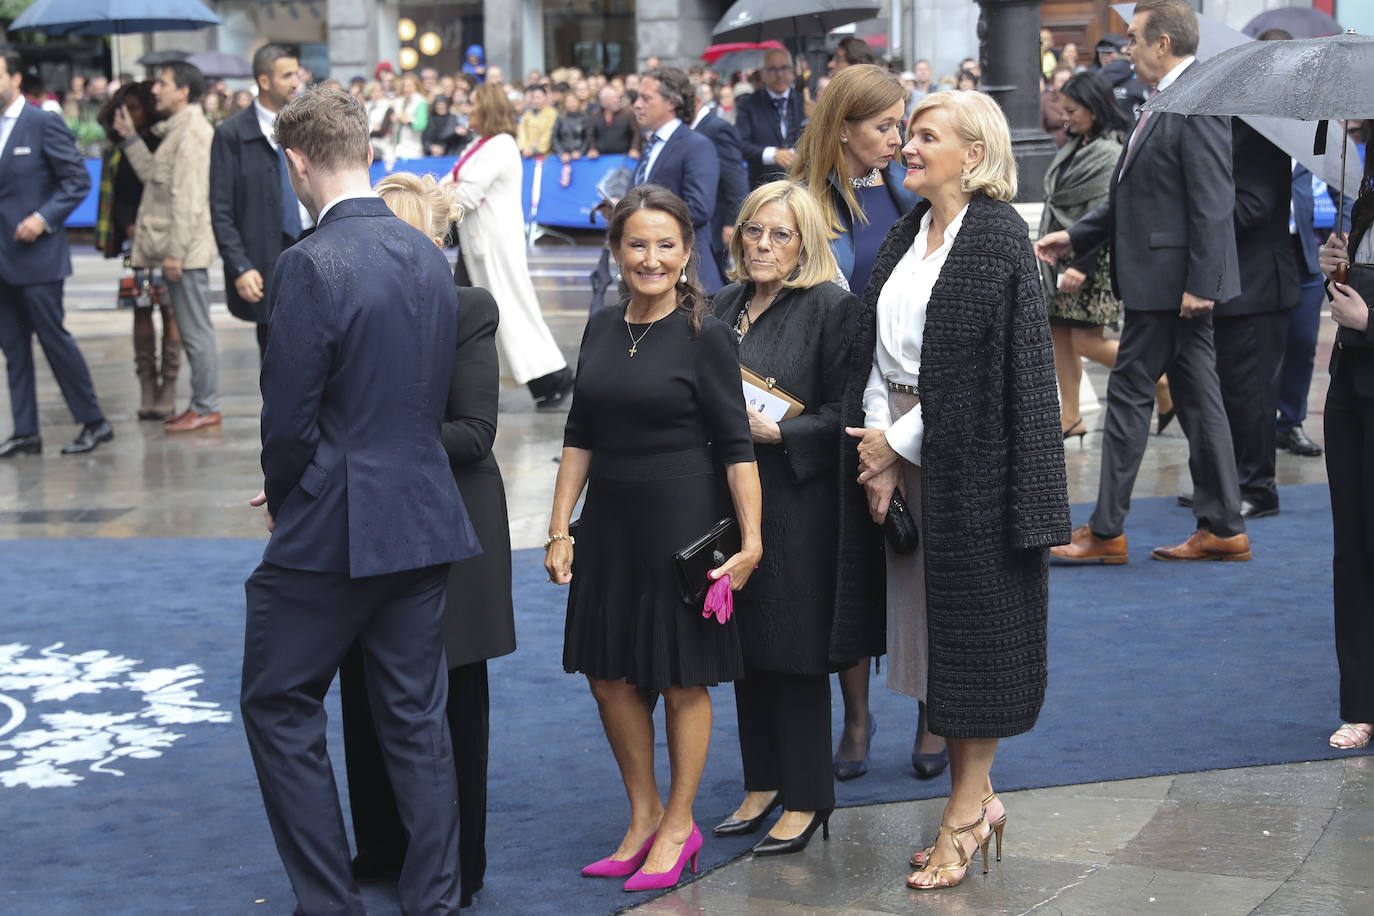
[(485, 184)]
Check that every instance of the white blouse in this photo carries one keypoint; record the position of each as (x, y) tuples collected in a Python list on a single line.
[(901, 320)]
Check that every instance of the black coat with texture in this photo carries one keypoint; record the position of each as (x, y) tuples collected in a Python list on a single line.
[(994, 491), (479, 620), (785, 609)]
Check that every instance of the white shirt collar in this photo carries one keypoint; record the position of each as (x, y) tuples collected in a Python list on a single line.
[(776, 95), (666, 131), (266, 121), (16, 106), (1172, 75), (951, 230), (701, 116), (347, 195)]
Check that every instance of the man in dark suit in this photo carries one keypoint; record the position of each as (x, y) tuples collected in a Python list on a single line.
[(42, 180), (364, 514), (1251, 329), (734, 181), (770, 121), (1170, 222), (680, 159), (253, 210)]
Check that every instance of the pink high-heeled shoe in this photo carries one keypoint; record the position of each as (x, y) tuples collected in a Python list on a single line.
[(653, 881), (619, 868)]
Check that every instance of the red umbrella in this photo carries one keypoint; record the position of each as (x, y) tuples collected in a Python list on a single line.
[(715, 52)]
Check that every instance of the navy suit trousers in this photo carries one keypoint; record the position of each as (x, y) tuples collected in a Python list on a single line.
[(31, 310), (300, 625)]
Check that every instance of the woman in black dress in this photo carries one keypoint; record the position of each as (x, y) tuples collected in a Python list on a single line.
[(479, 620), (792, 323), (951, 394), (1349, 429), (656, 413)]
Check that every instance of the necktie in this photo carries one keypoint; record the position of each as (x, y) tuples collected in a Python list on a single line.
[(290, 207), (1140, 126), (781, 105), (642, 171)]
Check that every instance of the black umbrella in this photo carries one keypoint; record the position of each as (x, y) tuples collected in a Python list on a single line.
[(1310, 79), (1298, 21), (219, 64), (756, 20), (162, 58)]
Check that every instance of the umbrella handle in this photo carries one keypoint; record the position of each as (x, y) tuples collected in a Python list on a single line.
[(1340, 204)]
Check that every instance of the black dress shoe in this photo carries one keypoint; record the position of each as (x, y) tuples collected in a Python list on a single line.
[(1186, 501), (92, 434), (768, 846), (1297, 442), (553, 389), (734, 826), (21, 445), (1250, 509)]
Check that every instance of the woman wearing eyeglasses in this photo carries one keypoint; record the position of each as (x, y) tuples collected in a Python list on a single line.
[(792, 324)]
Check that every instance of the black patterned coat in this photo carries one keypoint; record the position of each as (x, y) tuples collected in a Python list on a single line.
[(994, 491), (785, 609)]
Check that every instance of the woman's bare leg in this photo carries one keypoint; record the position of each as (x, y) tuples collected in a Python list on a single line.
[(629, 725)]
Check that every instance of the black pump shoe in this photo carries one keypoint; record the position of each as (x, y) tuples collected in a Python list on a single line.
[(734, 826), (768, 846)]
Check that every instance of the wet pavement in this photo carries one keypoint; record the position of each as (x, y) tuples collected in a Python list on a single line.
[(1291, 839)]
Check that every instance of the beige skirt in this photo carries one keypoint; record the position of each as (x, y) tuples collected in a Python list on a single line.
[(908, 642)]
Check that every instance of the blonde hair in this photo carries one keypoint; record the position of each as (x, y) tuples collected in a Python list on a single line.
[(977, 119), (816, 263), (418, 200), (856, 93)]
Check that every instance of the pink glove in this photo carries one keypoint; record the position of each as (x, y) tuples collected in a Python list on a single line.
[(720, 601)]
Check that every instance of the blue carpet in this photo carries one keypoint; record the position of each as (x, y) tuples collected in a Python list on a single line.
[(1154, 669)]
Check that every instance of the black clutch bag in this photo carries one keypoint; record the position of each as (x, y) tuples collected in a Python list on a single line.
[(899, 527), (701, 556), (1360, 277)]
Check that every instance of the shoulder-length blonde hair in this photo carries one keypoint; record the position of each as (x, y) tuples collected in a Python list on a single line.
[(419, 201), (978, 119), (492, 110), (855, 94), (816, 263)]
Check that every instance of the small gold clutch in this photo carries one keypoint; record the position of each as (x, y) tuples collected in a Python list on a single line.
[(770, 387)]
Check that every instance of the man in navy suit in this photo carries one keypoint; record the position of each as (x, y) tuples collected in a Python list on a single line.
[(364, 515), (734, 181), (770, 121), (42, 180), (680, 159)]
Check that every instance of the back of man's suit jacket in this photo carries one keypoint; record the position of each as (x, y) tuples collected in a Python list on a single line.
[(1264, 191), (1170, 218), (41, 171), (354, 381)]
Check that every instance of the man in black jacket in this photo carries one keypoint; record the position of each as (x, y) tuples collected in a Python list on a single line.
[(770, 121), (255, 214), (733, 185)]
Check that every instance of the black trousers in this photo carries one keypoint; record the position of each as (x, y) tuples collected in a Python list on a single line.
[(784, 737), (1349, 434), (1153, 343), (1250, 352), (300, 625), (377, 826), (36, 311)]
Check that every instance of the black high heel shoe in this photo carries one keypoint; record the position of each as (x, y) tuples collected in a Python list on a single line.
[(734, 826), (1165, 418), (1079, 429), (768, 846)]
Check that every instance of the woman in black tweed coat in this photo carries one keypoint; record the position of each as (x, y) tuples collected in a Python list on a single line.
[(955, 293)]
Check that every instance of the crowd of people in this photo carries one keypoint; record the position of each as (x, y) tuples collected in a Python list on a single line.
[(894, 484)]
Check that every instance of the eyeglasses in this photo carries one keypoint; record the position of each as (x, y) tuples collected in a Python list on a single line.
[(785, 68), (778, 235)]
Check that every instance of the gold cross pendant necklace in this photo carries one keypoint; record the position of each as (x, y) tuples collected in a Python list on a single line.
[(634, 341)]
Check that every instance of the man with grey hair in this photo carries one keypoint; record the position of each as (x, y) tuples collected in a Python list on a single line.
[(364, 516), (770, 122)]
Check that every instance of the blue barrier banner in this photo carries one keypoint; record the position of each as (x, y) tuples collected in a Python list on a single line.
[(83, 217)]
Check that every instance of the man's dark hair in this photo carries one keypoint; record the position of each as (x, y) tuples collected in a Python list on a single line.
[(857, 51), (14, 61), (1174, 18), (675, 86), (328, 126), (266, 57), (187, 76), (1274, 35)]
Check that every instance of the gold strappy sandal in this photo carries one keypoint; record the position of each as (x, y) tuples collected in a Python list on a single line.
[(945, 875), (918, 859)]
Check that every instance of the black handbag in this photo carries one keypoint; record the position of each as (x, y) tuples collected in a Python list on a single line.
[(899, 527), (1360, 278), (701, 556)]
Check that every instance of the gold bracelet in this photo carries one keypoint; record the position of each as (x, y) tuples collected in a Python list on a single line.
[(548, 541)]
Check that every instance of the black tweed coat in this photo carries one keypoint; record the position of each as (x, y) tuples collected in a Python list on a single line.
[(994, 491)]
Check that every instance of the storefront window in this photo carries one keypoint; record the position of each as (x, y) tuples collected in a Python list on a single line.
[(590, 34)]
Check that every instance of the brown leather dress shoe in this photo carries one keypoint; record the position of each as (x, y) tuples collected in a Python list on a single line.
[(177, 417), (1204, 545), (192, 422), (1086, 547)]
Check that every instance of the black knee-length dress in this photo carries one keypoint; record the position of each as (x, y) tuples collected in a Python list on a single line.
[(661, 425)]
